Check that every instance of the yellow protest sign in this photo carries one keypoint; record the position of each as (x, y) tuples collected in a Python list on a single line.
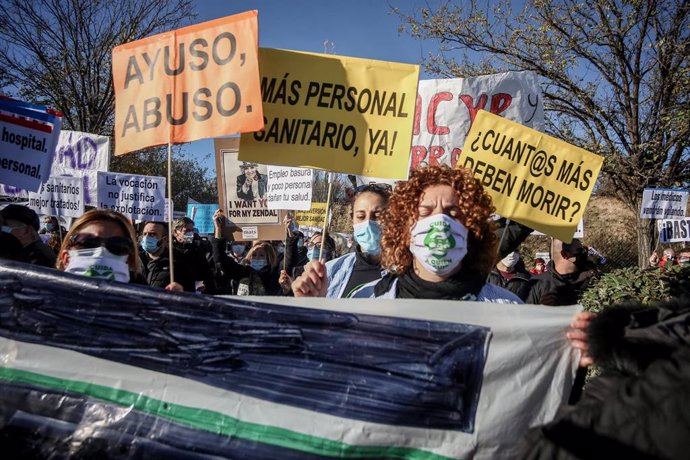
[(191, 83), (533, 178), (341, 114), (315, 217)]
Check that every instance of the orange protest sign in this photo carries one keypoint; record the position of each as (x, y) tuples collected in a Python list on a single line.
[(192, 83)]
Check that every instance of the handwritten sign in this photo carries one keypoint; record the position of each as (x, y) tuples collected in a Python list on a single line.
[(663, 203), (533, 178), (192, 83), (446, 109)]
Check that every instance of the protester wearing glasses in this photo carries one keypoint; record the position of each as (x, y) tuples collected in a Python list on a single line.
[(355, 269), (101, 244)]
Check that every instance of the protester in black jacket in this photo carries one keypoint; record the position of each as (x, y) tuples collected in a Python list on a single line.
[(638, 407), (155, 259), (259, 272), (566, 277), (510, 273), (197, 253), (23, 224)]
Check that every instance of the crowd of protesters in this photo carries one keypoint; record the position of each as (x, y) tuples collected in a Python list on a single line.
[(432, 237)]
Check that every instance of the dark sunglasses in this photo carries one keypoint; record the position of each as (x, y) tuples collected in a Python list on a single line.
[(380, 188), (118, 245)]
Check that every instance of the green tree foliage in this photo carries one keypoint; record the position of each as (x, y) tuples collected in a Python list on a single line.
[(615, 77), (647, 286)]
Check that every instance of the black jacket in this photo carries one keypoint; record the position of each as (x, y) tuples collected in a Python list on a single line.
[(250, 281), (199, 257), (520, 284), (638, 407), (552, 288), (294, 257), (157, 271)]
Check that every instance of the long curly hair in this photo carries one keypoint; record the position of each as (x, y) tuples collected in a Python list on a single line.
[(475, 214)]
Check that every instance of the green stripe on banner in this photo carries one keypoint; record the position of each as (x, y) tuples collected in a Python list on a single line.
[(216, 422)]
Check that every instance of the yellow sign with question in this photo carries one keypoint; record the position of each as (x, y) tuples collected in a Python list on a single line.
[(341, 114), (533, 178)]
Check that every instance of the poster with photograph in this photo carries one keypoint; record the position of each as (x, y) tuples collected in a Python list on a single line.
[(243, 192)]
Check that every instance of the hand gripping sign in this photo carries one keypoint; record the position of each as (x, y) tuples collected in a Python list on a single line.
[(533, 178), (192, 83)]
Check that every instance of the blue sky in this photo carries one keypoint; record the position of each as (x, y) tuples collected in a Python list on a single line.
[(358, 28)]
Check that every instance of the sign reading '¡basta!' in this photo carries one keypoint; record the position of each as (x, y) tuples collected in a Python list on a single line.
[(192, 83)]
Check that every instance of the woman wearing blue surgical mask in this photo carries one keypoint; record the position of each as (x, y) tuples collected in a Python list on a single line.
[(259, 271), (355, 269), (101, 244)]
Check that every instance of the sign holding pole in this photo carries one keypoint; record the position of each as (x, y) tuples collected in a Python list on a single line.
[(532, 178)]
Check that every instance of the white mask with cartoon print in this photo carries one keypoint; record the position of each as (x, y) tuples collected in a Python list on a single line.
[(439, 243)]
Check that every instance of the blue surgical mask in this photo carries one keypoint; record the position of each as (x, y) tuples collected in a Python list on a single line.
[(189, 237), (150, 244), (368, 235), (49, 226), (238, 249), (258, 264), (314, 253)]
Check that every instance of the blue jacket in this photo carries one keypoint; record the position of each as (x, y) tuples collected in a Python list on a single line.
[(339, 271), (489, 293)]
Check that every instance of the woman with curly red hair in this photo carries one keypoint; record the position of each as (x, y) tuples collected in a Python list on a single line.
[(437, 242)]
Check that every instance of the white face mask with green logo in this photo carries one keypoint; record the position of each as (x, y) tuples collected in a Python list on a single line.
[(439, 243), (98, 263)]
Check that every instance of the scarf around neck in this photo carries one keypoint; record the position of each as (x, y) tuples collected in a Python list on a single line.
[(463, 285)]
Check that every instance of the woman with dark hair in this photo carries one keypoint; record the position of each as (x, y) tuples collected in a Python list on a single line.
[(349, 272), (101, 244)]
